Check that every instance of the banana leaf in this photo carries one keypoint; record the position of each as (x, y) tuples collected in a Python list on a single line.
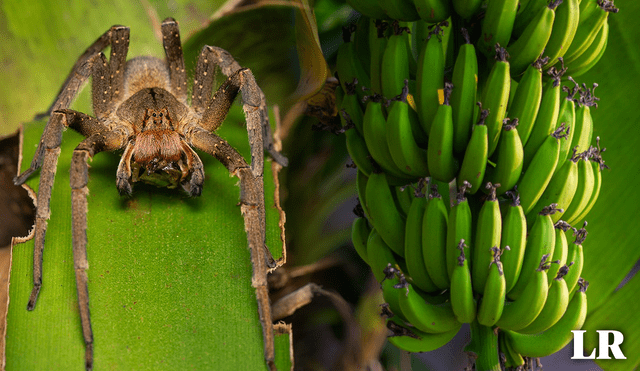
[(612, 249)]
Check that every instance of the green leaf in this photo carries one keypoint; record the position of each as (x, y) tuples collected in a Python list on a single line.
[(611, 249)]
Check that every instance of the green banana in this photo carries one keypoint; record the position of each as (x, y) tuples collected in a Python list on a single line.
[(357, 148), (414, 340), (585, 61), (377, 46), (434, 239), (565, 26), (443, 166), (430, 77), (459, 228), (530, 45), (413, 254), (368, 8), (538, 175), (522, 311), (360, 231), (425, 316), (383, 214), (526, 101), (547, 118), (488, 234), (375, 135), (463, 97), (514, 235), (405, 152), (575, 256), (560, 250), (351, 105), (462, 302), (392, 279), (541, 241), (404, 198), (509, 158), (567, 115), (395, 61), (495, 96), (593, 14), (466, 8), (554, 307), (525, 15), (584, 190), (399, 9), (433, 11), (560, 190), (497, 25), (475, 158), (492, 302), (348, 65), (584, 122), (559, 335), (379, 255), (597, 164)]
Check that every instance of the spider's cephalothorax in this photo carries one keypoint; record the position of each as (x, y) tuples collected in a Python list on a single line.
[(157, 151), (140, 107)]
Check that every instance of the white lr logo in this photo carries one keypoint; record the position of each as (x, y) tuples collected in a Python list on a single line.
[(604, 347)]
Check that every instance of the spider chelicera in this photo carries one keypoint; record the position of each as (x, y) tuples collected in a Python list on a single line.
[(141, 108)]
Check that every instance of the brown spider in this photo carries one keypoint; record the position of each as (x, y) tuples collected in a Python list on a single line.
[(141, 107)]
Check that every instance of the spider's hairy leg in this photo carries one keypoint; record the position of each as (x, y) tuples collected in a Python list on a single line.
[(52, 135), (118, 37), (117, 60), (218, 106), (175, 60), (123, 174), (101, 87), (98, 142), (47, 155), (252, 207), (194, 186), (252, 98)]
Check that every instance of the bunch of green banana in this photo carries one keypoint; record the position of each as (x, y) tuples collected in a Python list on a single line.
[(428, 124)]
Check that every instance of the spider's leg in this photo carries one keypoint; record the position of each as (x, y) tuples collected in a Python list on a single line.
[(253, 100), (47, 155), (252, 207), (118, 38), (82, 123), (194, 186), (101, 87), (123, 174), (106, 141), (117, 60), (175, 60), (52, 135), (203, 82), (218, 106)]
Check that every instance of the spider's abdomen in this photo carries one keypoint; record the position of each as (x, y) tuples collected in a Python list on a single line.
[(145, 72)]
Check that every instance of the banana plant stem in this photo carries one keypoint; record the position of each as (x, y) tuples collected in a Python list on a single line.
[(484, 346)]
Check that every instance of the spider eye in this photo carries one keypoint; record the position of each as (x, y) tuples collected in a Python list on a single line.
[(154, 114), (160, 114)]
